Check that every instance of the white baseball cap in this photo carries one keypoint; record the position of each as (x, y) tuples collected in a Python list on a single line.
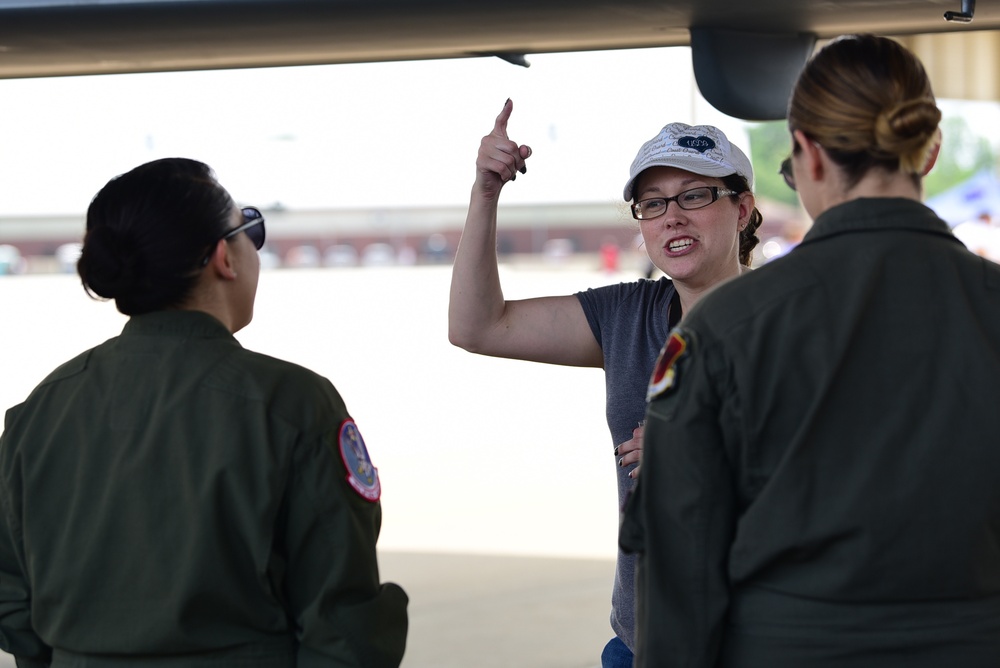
[(700, 149)]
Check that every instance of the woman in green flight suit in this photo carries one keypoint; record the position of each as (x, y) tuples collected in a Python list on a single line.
[(171, 498), (821, 474)]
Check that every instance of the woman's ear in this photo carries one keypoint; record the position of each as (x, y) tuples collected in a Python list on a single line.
[(746, 204), (811, 157), (933, 155), (221, 262)]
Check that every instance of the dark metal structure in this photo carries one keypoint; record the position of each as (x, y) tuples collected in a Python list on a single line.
[(746, 52)]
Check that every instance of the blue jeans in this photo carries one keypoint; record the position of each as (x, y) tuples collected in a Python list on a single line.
[(616, 654)]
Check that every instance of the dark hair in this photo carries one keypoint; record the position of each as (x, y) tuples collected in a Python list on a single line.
[(868, 101), (748, 235), (147, 231)]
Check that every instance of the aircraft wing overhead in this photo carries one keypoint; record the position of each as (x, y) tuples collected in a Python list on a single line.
[(52, 37), (75, 37)]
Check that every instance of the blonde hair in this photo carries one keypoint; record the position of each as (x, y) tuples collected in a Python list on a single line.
[(868, 101)]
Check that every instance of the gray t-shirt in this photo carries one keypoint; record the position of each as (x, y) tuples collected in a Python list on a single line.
[(629, 321)]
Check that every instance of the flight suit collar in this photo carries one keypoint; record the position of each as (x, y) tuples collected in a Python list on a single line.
[(872, 214), (183, 323)]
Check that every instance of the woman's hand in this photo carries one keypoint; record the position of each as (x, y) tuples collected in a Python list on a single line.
[(630, 452), (499, 158)]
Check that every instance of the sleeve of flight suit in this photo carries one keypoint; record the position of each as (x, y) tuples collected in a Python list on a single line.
[(344, 615), (681, 518), (17, 636)]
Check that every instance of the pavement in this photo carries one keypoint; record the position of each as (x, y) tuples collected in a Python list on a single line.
[(493, 611)]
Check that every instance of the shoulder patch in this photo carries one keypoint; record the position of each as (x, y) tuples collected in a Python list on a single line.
[(665, 372), (361, 473)]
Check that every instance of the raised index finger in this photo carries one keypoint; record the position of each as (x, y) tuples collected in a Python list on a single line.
[(500, 126)]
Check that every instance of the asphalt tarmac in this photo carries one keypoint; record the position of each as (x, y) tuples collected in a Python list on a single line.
[(492, 611)]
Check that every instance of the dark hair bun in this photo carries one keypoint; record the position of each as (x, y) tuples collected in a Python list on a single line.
[(109, 264)]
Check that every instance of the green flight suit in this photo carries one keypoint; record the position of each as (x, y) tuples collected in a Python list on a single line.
[(170, 498), (820, 480)]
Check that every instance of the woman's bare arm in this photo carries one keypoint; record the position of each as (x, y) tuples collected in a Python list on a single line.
[(546, 329)]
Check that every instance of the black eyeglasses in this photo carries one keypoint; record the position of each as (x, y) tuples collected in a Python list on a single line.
[(253, 225), (786, 172), (696, 198)]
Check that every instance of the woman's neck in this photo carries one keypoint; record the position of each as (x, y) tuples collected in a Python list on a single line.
[(690, 292), (876, 183)]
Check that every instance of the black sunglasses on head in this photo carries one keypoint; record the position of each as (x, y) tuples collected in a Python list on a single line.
[(253, 225)]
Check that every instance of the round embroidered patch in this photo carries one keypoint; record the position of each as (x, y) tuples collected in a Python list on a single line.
[(665, 371), (361, 473)]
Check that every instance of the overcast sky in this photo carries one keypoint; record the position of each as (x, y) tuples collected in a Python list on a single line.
[(370, 135), (385, 134)]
